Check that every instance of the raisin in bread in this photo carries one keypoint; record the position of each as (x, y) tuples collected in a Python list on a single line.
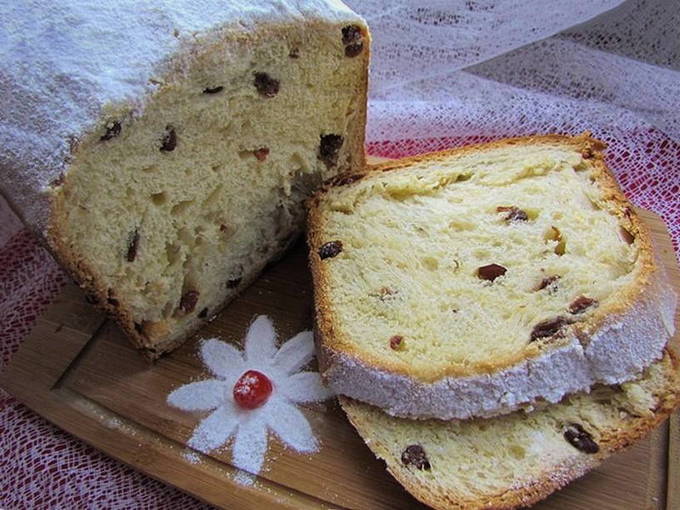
[(521, 458), (165, 151), (470, 282)]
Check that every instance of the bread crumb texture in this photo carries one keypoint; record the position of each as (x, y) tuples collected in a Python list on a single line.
[(522, 457), (474, 260), (167, 213)]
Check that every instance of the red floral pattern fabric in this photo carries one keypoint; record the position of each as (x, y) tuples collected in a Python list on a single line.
[(444, 74)]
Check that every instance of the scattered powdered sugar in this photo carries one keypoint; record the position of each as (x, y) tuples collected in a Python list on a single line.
[(64, 65), (113, 423), (244, 478), (250, 428), (191, 457)]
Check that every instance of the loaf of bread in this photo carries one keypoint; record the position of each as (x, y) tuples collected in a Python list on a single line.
[(164, 151), (518, 459), (473, 281)]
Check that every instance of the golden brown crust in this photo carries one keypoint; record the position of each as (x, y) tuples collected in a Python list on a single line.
[(99, 295), (611, 441), (149, 337), (143, 337), (334, 344)]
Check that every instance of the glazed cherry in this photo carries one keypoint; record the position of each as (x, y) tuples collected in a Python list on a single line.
[(252, 389)]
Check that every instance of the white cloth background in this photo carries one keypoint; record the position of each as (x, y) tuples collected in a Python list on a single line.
[(449, 72), (462, 67), (443, 73)]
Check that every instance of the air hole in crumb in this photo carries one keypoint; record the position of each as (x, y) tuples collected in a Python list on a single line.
[(266, 85), (517, 452), (198, 235), (181, 207), (329, 149), (234, 282), (159, 198), (213, 90), (225, 132), (185, 236), (172, 253), (226, 230), (151, 168), (532, 214), (168, 309), (213, 198), (430, 263), (554, 234), (169, 140)]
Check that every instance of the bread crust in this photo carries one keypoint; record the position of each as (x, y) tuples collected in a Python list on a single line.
[(150, 341), (637, 325), (541, 486)]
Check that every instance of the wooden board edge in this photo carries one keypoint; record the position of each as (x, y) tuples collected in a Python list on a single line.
[(673, 466), (157, 456)]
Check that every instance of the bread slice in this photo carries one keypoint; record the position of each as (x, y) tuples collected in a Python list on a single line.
[(470, 282), (521, 458), (165, 153)]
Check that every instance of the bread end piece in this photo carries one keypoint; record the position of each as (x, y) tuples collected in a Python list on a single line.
[(519, 459)]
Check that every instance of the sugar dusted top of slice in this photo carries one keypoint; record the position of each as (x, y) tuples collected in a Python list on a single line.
[(63, 64)]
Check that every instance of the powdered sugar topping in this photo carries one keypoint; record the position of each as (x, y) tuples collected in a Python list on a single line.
[(63, 65), (250, 428)]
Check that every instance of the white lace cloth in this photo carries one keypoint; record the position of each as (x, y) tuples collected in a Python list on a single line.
[(445, 73)]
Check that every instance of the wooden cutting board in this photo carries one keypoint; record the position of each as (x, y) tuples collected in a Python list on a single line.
[(77, 370)]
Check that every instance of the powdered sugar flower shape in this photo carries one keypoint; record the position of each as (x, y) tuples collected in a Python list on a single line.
[(254, 391)]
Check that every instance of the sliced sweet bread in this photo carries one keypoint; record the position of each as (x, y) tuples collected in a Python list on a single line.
[(165, 152), (521, 458), (473, 281)]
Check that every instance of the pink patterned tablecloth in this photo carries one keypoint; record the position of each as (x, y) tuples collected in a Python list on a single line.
[(43, 467), (458, 72)]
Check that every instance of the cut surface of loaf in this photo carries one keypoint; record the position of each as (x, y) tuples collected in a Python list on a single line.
[(176, 161), (469, 282), (517, 459)]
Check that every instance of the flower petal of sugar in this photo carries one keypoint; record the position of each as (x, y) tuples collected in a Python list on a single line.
[(250, 444), (288, 422), (199, 396), (222, 359), (295, 353), (250, 426), (305, 387), (260, 342), (216, 429)]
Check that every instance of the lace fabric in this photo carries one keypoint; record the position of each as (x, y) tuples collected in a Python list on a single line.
[(444, 74)]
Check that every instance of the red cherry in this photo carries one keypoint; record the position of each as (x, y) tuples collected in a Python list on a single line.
[(252, 389)]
